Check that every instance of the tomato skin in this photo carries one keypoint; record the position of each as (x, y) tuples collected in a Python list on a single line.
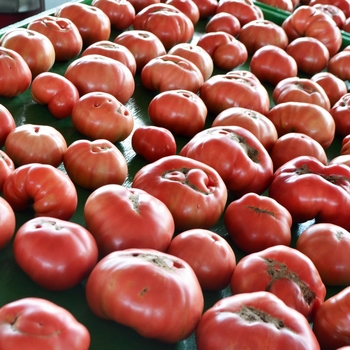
[(7, 123), (223, 22), (152, 225), (7, 223), (58, 327), (7, 166), (339, 64), (52, 192), (198, 193), (286, 5), (56, 91), (147, 283), (55, 254), (246, 220), (241, 321), (207, 8), (92, 164), (340, 113), (153, 142), (189, 8)]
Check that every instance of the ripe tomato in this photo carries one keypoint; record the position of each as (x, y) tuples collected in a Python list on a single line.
[(7, 166), (7, 222), (50, 191), (247, 218), (7, 123), (175, 178), (339, 64), (55, 254), (189, 8), (59, 93), (149, 225), (38, 323), (285, 5), (100, 115), (210, 256), (35, 48), (344, 5), (181, 111), (223, 22), (328, 246), (63, 34), (152, 282), (207, 8), (141, 4), (92, 73), (92, 164), (153, 142), (340, 113), (333, 11)]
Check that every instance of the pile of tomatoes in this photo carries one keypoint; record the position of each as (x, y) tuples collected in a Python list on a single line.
[(178, 170)]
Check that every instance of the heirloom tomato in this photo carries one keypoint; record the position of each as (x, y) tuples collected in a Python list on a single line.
[(194, 192), (35, 323), (7, 166), (285, 5), (339, 64), (59, 93), (92, 164), (7, 222), (50, 191), (341, 115), (141, 4), (7, 123), (345, 145), (149, 222), (207, 8), (140, 288), (56, 254), (189, 8), (212, 40), (223, 22), (258, 321), (284, 272), (333, 11), (344, 5)]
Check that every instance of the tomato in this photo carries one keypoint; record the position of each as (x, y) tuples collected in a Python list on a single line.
[(316, 122), (210, 256), (212, 40), (30, 143), (92, 164), (331, 322), (285, 5), (35, 48), (345, 145), (328, 246), (15, 74), (310, 54), (121, 13), (50, 191), (168, 23), (309, 190), (7, 123), (236, 154), (343, 5), (247, 218), (93, 24), (294, 144), (171, 72), (257, 320), (334, 12), (340, 113), (339, 65), (189, 8), (141, 4), (92, 73), (258, 124), (63, 34), (7, 223), (263, 64), (193, 191), (223, 22), (59, 93), (207, 8), (181, 111), (149, 225), (153, 142), (113, 50), (36, 323), (7, 166), (100, 115), (56, 254), (142, 44), (144, 285)]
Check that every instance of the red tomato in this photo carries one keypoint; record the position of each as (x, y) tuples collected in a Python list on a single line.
[(55, 254), (331, 322), (171, 72), (236, 154), (93, 24), (99, 115), (7, 166), (153, 142), (339, 65), (63, 34), (37, 323), (343, 5), (254, 321), (333, 11), (340, 113), (35, 48), (153, 283), (207, 8), (285, 5), (210, 256), (7, 222), (149, 225), (15, 74), (50, 191), (247, 218), (29, 143), (223, 22), (141, 4), (193, 191), (121, 13), (181, 111), (328, 246), (188, 7), (7, 123), (316, 122), (56, 91), (92, 164), (92, 73), (212, 40)]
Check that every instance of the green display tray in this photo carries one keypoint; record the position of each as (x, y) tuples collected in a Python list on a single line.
[(15, 284)]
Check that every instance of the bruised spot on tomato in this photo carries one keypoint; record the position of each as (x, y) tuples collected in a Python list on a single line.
[(161, 262)]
